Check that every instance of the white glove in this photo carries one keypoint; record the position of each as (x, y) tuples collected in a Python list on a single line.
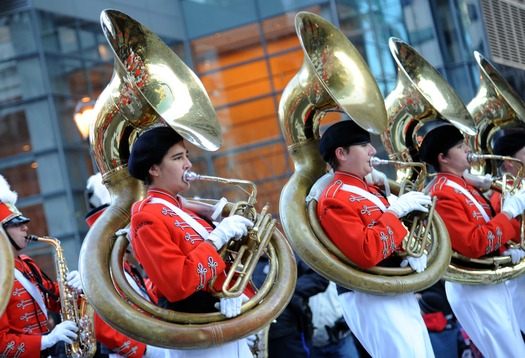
[(250, 340), (64, 331), (73, 280), (515, 204), (418, 264), (515, 254), (406, 203), (232, 227), (378, 178), (481, 182), (231, 307), (154, 352)]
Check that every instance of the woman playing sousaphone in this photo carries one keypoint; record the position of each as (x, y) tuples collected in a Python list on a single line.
[(476, 230)]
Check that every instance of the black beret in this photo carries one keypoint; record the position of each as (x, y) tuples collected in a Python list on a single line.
[(431, 302), (436, 137), (341, 134), (508, 141), (149, 149)]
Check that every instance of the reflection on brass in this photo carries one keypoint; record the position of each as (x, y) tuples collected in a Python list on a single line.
[(7, 265)]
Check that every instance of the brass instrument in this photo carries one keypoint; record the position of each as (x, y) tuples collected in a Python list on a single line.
[(72, 307), (419, 235), (495, 107), (244, 254), (151, 86), (421, 95), (7, 264), (334, 78)]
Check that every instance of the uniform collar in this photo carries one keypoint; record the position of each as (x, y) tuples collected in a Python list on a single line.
[(163, 194), (350, 178), (455, 178)]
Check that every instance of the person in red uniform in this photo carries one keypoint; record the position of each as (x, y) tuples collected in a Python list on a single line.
[(177, 248), (367, 229), (476, 230), (510, 142), (116, 344), (24, 330)]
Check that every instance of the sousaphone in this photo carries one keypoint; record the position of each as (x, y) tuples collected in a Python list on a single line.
[(152, 86), (335, 78), (6, 270)]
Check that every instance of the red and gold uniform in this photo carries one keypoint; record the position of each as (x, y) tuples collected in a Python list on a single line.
[(470, 234), (25, 319), (356, 225), (354, 219), (495, 200), (171, 252), (485, 311)]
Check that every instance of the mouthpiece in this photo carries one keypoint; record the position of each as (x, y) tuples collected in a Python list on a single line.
[(32, 237), (375, 161), (474, 158), (189, 176)]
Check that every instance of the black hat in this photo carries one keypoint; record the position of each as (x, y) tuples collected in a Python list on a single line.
[(508, 141), (431, 302), (9, 214), (149, 149), (436, 137), (341, 134)]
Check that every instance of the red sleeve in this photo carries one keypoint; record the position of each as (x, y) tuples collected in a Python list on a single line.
[(366, 245), (116, 341), (177, 266), (471, 236), (13, 344)]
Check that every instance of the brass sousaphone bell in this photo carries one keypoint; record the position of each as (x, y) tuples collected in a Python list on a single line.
[(6, 270), (152, 86), (334, 78)]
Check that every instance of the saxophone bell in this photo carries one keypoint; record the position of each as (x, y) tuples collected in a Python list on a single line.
[(72, 306)]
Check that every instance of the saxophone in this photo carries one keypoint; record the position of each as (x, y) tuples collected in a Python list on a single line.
[(74, 307)]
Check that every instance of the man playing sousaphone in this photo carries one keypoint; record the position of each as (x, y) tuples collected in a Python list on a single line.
[(476, 230), (176, 247), (510, 142), (367, 229)]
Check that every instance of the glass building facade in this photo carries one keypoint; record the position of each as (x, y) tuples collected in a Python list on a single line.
[(53, 53)]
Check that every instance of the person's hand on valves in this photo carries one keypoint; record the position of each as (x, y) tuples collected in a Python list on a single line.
[(232, 227)]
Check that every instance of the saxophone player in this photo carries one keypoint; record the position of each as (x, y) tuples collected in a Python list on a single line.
[(485, 311), (24, 330), (367, 229), (177, 248)]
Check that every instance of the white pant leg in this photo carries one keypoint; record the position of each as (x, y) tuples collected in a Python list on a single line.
[(235, 349), (487, 315), (387, 326), (517, 292)]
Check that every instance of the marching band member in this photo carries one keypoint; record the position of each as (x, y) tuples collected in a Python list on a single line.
[(113, 341), (510, 142), (476, 230), (177, 248), (367, 229), (24, 330)]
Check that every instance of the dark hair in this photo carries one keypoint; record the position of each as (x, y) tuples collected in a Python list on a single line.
[(149, 149)]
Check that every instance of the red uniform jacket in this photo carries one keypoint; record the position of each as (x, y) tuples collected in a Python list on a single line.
[(470, 234), (495, 200), (24, 322), (355, 224), (173, 254)]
